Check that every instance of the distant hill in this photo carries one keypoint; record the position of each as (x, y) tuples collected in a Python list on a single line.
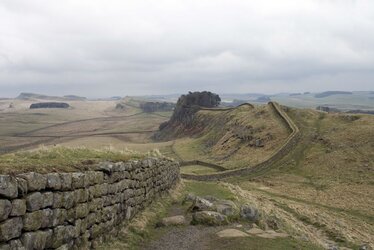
[(31, 96), (329, 93), (74, 98)]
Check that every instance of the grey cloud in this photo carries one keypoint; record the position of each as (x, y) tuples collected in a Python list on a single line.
[(93, 47)]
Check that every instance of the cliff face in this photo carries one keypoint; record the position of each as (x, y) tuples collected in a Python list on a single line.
[(184, 112)]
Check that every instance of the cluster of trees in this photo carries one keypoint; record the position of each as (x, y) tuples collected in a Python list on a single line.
[(42, 105)]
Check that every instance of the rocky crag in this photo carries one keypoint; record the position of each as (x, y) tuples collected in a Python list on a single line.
[(184, 112)]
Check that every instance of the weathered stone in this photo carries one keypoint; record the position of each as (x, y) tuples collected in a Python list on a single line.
[(53, 181), (201, 204), (82, 210), (47, 199), (177, 220), (34, 201), (5, 209), (209, 218), (16, 245), (18, 207), (47, 218), (78, 180), (66, 181), (58, 199), (35, 181), (5, 247), (68, 200), (22, 187), (231, 233), (35, 240), (32, 221), (59, 216), (249, 212), (8, 186), (10, 229), (62, 235), (226, 207)]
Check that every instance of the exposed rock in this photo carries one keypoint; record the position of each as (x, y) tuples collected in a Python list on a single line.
[(201, 204), (174, 221), (226, 207), (18, 207), (10, 229), (209, 218), (185, 110), (255, 231), (8, 186), (249, 212), (5, 209), (231, 233)]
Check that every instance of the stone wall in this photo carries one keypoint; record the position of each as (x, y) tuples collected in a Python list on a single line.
[(78, 210)]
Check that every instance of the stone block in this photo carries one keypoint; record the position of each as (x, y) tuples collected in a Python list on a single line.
[(34, 240), (59, 216), (8, 186), (66, 181), (35, 181), (47, 199), (34, 201), (78, 180), (53, 181), (32, 221), (16, 245), (5, 209), (18, 207), (47, 218), (22, 187), (10, 229)]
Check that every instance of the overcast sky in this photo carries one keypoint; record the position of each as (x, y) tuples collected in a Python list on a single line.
[(122, 47)]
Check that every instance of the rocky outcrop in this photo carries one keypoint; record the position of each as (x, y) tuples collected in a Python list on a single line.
[(186, 108), (80, 210), (44, 105)]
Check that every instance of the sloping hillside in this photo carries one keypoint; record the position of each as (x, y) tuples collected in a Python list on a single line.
[(233, 138)]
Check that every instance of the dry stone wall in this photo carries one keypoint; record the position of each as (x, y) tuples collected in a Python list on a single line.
[(78, 210)]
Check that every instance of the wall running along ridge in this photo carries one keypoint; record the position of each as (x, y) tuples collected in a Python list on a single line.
[(287, 147), (78, 210)]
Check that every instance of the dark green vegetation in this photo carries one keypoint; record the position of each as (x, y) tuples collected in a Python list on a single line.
[(43, 105)]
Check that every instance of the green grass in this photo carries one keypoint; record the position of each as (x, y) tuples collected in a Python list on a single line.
[(60, 159), (197, 169)]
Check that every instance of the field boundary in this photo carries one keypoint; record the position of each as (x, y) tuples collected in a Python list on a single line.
[(287, 147)]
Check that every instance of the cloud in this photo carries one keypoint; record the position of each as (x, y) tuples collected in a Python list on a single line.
[(95, 47)]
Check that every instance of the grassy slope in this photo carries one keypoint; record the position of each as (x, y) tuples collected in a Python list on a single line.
[(328, 180), (222, 132), (60, 159)]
